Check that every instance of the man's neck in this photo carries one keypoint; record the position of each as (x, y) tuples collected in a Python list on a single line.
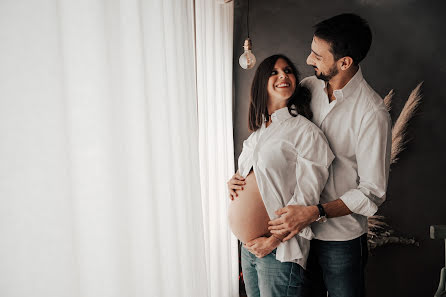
[(340, 80)]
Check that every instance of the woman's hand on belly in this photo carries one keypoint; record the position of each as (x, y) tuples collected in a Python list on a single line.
[(236, 183), (262, 246)]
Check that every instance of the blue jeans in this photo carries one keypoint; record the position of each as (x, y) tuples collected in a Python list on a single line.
[(268, 277), (337, 267)]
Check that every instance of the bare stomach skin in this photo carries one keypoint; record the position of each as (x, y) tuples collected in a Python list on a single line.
[(247, 214)]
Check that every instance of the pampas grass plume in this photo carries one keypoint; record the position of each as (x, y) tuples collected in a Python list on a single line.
[(380, 233), (400, 128)]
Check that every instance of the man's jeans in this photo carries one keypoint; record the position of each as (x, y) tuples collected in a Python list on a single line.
[(337, 267), (268, 277)]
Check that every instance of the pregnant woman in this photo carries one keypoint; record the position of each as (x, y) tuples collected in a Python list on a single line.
[(284, 162)]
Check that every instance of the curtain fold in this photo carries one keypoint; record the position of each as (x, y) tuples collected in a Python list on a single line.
[(100, 180), (214, 30)]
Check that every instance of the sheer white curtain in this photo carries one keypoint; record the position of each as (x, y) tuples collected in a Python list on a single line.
[(214, 80), (99, 167)]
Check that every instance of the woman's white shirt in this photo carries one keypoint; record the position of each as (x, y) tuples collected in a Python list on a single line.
[(290, 159)]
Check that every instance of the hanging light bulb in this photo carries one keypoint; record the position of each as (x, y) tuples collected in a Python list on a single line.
[(247, 60)]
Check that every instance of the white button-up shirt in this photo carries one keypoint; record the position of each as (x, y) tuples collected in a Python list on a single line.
[(290, 159), (358, 128)]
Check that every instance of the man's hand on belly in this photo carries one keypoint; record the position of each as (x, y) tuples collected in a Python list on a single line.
[(292, 219), (262, 246)]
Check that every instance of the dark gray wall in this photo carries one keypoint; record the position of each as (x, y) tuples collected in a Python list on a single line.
[(409, 46)]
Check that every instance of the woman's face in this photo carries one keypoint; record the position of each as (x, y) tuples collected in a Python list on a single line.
[(281, 83)]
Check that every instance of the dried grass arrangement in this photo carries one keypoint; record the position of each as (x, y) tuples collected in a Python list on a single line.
[(380, 233)]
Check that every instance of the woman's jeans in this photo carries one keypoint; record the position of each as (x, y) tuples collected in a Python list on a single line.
[(268, 277), (337, 267)]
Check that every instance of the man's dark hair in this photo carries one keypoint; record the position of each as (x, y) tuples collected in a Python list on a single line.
[(348, 34), (298, 103)]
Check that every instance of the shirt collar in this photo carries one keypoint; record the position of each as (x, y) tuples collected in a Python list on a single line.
[(280, 115), (353, 84), (349, 88)]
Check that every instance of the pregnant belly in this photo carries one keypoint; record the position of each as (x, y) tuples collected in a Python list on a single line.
[(247, 215)]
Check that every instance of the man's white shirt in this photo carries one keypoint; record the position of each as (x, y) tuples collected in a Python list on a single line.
[(357, 126)]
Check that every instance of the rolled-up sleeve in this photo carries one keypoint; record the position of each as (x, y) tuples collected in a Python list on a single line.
[(312, 170), (373, 158), (313, 162)]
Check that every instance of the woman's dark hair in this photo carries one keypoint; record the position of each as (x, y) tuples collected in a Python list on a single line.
[(298, 103), (348, 34)]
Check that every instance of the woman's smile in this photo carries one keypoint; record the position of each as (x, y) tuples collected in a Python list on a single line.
[(283, 85)]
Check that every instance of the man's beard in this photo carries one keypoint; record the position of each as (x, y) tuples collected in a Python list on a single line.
[(326, 77)]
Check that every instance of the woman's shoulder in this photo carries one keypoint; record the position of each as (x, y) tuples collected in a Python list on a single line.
[(253, 137), (303, 124), (310, 142)]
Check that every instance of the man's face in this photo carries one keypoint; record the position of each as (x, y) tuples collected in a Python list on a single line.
[(322, 59)]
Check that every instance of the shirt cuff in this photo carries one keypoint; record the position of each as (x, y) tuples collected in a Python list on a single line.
[(359, 203)]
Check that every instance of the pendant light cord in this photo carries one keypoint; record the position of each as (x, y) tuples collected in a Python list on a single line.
[(247, 19)]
